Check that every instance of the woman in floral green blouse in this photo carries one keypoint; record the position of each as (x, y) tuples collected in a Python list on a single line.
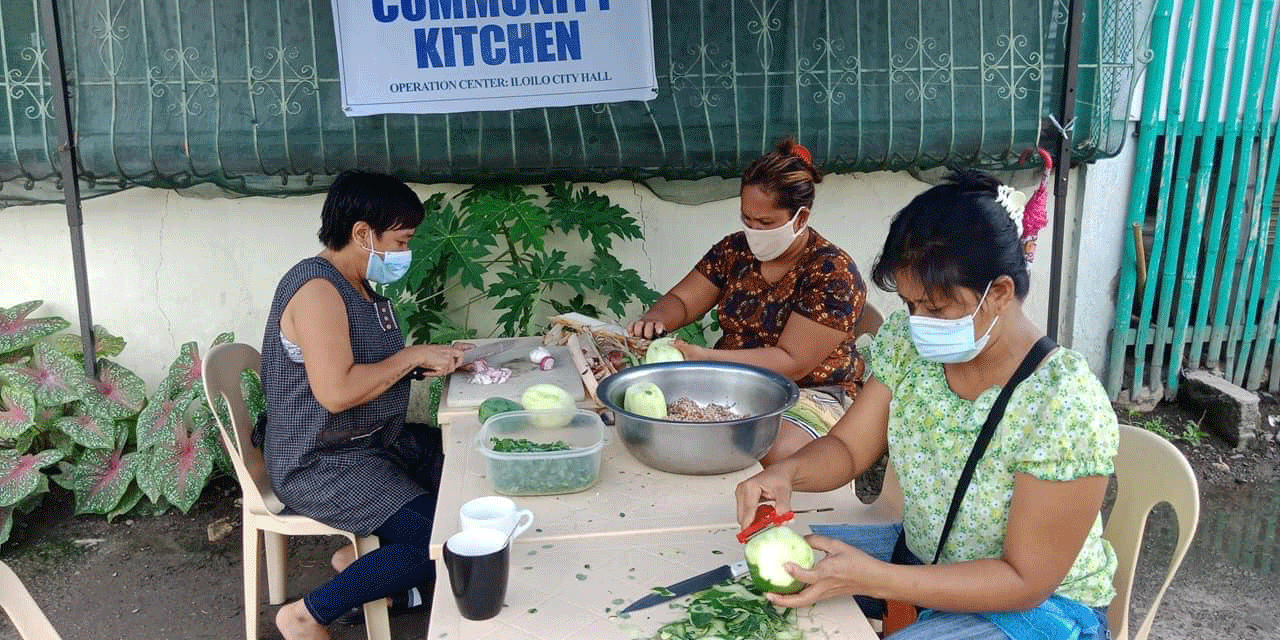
[(1026, 552)]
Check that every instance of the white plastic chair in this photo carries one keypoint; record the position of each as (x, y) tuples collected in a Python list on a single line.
[(261, 508), (22, 608), (1149, 470)]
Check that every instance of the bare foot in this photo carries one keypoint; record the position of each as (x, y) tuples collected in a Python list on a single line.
[(296, 623), (342, 558)]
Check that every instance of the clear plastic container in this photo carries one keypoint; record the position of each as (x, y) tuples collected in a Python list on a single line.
[(540, 473)]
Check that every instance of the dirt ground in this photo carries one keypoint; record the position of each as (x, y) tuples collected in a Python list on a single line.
[(160, 578)]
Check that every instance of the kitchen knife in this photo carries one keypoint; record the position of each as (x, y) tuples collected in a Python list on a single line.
[(488, 350), (690, 585)]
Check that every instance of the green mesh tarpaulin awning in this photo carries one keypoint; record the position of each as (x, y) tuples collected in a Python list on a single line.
[(244, 94)]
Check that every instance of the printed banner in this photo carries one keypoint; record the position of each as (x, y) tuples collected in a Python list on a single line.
[(446, 56)]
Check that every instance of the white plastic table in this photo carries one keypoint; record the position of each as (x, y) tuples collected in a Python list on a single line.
[(637, 528)]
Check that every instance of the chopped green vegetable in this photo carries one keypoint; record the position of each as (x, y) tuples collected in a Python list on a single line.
[(534, 610), (732, 610), (525, 445), (582, 576), (540, 475), (618, 601)]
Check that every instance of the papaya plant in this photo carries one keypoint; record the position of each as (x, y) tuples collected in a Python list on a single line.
[(490, 243), (103, 439)]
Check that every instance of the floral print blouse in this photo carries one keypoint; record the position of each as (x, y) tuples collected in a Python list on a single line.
[(1058, 426), (823, 286)]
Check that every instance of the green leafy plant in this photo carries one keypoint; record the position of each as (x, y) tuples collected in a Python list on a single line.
[(490, 243), (1156, 425), (1193, 434), (103, 439)]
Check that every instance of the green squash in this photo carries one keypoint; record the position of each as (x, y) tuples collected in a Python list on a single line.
[(495, 405)]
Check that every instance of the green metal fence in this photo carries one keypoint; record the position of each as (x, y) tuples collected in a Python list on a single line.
[(244, 94), (1203, 205)]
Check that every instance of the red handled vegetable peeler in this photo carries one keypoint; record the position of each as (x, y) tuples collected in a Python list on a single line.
[(765, 518)]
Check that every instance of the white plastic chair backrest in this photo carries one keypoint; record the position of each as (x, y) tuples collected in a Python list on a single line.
[(223, 367), (22, 609), (1149, 470)]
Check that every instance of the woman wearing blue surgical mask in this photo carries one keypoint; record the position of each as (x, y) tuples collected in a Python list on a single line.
[(1023, 554), (788, 299), (335, 372)]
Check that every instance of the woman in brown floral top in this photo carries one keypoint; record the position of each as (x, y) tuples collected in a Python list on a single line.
[(789, 300)]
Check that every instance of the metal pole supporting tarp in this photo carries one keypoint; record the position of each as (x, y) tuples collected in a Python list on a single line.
[(1062, 165), (70, 178)]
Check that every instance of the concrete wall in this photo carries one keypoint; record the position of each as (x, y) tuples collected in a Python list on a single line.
[(165, 268), (1100, 236)]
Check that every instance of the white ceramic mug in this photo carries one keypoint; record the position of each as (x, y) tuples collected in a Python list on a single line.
[(495, 512)]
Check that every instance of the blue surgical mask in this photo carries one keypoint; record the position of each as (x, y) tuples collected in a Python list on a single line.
[(950, 340), (387, 267)]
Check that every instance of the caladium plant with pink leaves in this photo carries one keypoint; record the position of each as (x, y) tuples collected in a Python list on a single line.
[(17, 331), (101, 438)]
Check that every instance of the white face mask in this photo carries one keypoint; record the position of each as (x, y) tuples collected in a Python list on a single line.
[(950, 340), (768, 244)]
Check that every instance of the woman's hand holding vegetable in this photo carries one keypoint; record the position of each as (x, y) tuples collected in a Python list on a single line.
[(845, 571), (772, 484)]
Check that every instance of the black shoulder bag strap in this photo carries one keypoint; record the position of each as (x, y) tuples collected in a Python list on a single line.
[(1041, 349)]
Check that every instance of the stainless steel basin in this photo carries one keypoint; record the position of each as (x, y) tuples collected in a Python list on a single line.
[(702, 448)]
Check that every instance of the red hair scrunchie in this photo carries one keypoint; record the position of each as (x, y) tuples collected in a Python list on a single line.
[(801, 152)]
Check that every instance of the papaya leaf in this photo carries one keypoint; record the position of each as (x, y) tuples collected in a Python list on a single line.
[(102, 478), (462, 244), (591, 214), (90, 431), (52, 377), (20, 474), (182, 467), (118, 393), (132, 496), (518, 287), (226, 337), (617, 284), (19, 412), (17, 331), (509, 206), (6, 523), (105, 345), (183, 373)]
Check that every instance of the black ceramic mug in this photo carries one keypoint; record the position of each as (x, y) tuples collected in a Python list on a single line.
[(478, 561)]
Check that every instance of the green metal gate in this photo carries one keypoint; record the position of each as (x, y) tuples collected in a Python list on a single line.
[(1200, 278)]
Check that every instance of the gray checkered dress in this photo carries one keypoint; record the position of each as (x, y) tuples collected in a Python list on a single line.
[(343, 469)]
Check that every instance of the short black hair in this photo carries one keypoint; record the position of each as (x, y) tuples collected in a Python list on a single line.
[(954, 234), (384, 202)]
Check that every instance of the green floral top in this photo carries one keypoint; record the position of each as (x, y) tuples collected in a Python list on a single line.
[(1058, 426)]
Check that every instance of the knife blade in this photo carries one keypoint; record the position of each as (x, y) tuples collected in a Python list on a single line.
[(687, 586), (488, 350)]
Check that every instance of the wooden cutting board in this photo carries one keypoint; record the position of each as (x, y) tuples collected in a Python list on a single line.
[(461, 393)]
